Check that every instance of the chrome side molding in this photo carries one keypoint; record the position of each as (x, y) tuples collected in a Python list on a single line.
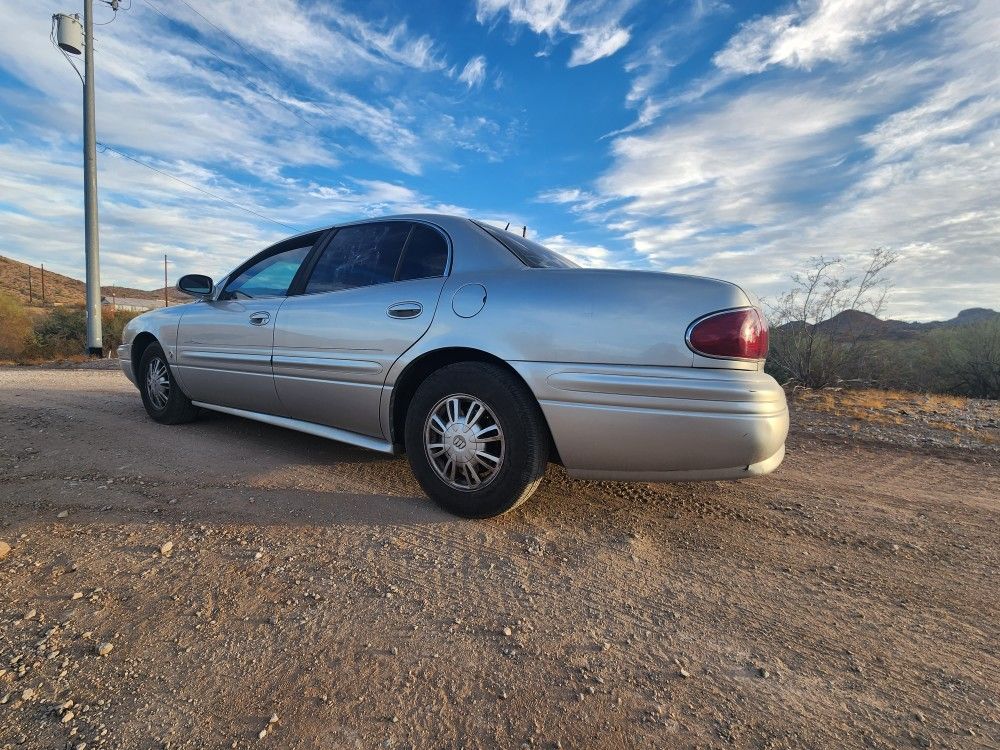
[(310, 428)]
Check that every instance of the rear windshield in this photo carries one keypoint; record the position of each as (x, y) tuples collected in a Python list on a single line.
[(528, 252)]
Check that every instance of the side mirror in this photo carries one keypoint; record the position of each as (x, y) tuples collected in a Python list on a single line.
[(196, 285)]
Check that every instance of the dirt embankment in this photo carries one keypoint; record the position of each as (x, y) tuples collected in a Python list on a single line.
[(260, 588)]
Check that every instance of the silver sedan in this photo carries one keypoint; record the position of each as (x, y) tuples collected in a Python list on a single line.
[(481, 354)]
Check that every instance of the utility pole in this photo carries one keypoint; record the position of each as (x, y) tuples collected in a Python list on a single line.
[(166, 301), (70, 39), (95, 345), (30, 298), (43, 284)]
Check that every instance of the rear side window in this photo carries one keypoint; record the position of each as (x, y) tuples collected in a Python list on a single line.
[(532, 254), (425, 255), (359, 255)]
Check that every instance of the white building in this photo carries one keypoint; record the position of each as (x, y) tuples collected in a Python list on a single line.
[(131, 304)]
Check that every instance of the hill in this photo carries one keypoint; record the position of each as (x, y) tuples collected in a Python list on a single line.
[(855, 324), (63, 290)]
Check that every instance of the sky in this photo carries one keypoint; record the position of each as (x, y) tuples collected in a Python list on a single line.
[(735, 140)]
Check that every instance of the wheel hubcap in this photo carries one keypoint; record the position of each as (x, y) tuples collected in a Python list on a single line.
[(464, 442), (157, 383)]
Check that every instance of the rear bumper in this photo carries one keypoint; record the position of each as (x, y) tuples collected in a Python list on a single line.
[(661, 424)]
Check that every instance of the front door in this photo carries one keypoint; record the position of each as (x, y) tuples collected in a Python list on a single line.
[(370, 296), (224, 345)]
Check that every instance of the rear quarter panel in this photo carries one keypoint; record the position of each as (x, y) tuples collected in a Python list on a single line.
[(579, 315)]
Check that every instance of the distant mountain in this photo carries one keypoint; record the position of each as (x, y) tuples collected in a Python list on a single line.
[(852, 324), (972, 315), (63, 290)]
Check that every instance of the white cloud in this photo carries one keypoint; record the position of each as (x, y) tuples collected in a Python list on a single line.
[(597, 43), (596, 25), (144, 214), (474, 72), (894, 149), (321, 36), (742, 156), (588, 256), (814, 31), (238, 113), (541, 16), (268, 127), (579, 201), (395, 44)]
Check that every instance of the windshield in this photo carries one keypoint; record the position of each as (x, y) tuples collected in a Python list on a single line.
[(527, 251)]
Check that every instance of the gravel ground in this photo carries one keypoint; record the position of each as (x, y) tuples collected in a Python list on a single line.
[(902, 419), (229, 584)]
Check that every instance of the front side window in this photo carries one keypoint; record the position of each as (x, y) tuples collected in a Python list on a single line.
[(359, 255), (269, 277)]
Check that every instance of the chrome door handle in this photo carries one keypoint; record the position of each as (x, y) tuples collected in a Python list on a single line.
[(405, 310), (259, 318)]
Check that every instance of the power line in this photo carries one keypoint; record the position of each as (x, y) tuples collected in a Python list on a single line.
[(106, 147), (233, 39), (107, 22), (256, 86)]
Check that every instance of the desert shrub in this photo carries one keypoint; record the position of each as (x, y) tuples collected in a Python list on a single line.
[(891, 363), (112, 326), (965, 360), (806, 353), (61, 333), (15, 328)]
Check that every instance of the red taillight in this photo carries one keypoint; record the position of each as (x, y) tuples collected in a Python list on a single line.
[(740, 334)]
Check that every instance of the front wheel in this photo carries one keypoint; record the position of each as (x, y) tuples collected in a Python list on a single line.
[(163, 398), (476, 439)]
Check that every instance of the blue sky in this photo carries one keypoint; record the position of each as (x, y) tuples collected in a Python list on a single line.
[(726, 139)]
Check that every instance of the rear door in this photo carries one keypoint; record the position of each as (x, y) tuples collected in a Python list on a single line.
[(224, 345), (370, 294)]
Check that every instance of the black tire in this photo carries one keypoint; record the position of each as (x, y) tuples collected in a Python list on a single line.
[(519, 455), (175, 407)]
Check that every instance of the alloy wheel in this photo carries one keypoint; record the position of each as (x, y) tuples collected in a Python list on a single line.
[(464, 442), (158, 383)]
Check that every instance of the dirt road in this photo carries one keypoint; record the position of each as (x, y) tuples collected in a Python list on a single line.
[(849, 600)]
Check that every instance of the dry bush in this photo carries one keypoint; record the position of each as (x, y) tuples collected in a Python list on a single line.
[(966, 360), (806, 353), (112, 327), (15, 328), (880, 406), (63, 332)]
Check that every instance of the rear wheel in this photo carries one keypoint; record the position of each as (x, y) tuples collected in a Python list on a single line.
[(162, 397), (476, 439)]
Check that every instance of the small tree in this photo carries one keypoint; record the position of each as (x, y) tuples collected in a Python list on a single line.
[(805, 352)]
